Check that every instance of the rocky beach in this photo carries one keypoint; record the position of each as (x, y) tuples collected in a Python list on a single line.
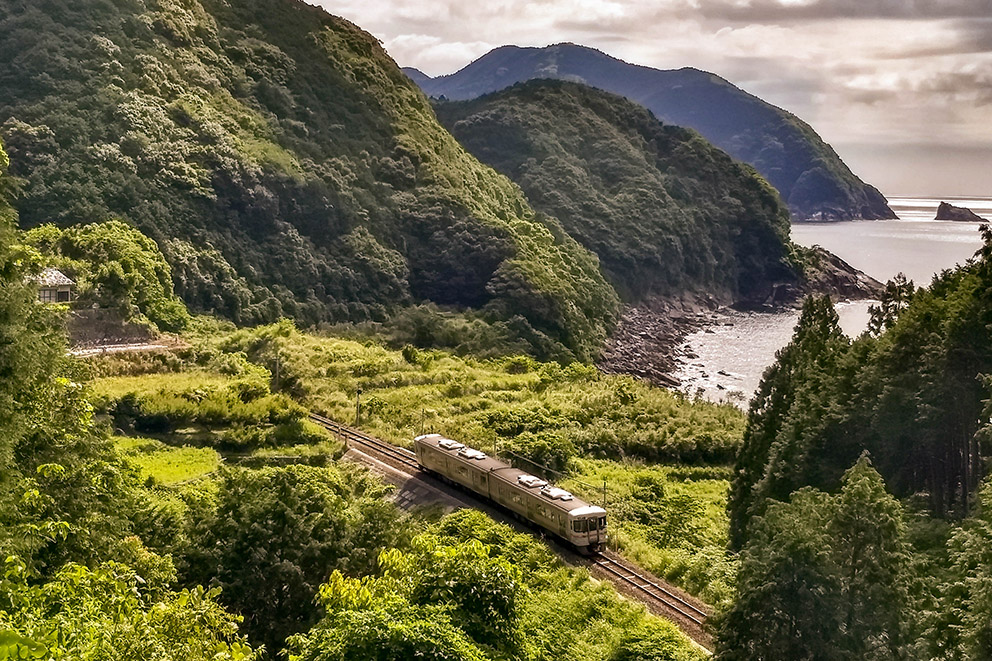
[(649, 341)]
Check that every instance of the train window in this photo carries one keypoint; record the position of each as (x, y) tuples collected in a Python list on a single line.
[(602, 523), (579, 525)]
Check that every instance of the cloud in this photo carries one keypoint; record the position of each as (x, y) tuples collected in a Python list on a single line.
[(860, 71), (792, 10), (433, 53)]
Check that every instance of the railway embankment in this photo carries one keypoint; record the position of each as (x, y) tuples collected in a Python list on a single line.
[(416, 488)]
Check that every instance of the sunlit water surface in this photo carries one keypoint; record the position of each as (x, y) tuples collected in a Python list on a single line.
[(732, 355)]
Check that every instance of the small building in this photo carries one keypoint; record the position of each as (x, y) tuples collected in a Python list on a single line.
[(54, 286)]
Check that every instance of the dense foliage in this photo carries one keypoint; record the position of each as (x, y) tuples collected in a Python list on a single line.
[(277, 533), (74, 584), (823, 577), (812, 178), (857, 574), (663, 209), (913, 396), (114, 266), (516, 403), (283, 163), (114, 613), (472, 590)]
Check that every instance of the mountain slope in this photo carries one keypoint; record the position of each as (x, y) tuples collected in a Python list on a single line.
[(284, 164), (665, 211), (784, 149)]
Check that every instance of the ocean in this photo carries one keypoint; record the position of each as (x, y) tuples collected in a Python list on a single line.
[(732, 355)]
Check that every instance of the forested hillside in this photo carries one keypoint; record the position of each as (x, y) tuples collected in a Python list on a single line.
[(284, 165), (665, 211), (124, 536), (811, 177), (900, 412)]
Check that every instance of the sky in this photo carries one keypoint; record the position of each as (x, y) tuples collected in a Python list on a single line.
[(902, 89)]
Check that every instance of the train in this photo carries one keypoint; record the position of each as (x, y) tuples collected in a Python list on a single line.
[(581, 524)]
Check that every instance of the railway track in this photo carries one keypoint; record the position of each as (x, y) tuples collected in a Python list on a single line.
[(402, 456), (617, 570), (633, 577)]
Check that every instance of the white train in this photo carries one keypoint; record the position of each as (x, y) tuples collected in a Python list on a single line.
[(581, 524)]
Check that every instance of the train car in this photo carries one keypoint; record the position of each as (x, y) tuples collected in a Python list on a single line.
[(581, 524)]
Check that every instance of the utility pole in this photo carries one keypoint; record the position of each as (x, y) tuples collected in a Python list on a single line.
[(604, 493), (423, 421), (358, 407)]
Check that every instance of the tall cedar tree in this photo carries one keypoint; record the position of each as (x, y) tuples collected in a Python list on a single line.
[(822, 577), (791, 409)]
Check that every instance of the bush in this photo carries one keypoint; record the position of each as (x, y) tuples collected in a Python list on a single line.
[(115, 266)]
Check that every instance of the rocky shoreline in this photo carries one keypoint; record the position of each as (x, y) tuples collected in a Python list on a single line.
[(649, 340)]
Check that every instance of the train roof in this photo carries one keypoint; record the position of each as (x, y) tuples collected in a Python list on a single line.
[(554, 496)]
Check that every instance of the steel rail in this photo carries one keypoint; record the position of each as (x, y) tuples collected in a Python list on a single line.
[(645, 585), (349, 434)]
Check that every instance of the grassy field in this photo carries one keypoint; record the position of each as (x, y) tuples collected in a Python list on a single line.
[(664, 457), (668, 518), (165, 464), (516, 402)]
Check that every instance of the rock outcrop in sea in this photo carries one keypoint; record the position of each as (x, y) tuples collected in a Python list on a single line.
[(947, 211)]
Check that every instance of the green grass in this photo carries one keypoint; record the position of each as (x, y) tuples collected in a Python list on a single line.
[(486, 401), (687, 545), (224, 403), (165, 464), (115, 387)]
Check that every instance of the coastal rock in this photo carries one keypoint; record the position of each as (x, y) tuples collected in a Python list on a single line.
[(947, 211), (648, 340), (826, 273)]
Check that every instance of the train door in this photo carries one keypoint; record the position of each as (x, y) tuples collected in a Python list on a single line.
[(481, 482)]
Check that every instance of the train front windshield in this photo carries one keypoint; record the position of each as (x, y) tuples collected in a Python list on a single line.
[(589, 525)]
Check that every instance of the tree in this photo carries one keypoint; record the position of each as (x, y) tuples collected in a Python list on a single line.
[(788, 587), (869, 546), (113, 613), (442, 600), (793, 405), (482, 590), (967, 594), (64, 494), (278, 533), (895, 297), (822, 577), (370, 619), (116, 266)]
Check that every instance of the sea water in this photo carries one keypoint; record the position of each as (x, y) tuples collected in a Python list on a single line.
[(732, 355)]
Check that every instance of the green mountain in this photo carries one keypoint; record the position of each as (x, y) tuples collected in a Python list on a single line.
[(665, 211), (809, 174), (283, 163)]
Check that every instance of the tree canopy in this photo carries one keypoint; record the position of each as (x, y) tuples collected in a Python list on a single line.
[(283, 164)]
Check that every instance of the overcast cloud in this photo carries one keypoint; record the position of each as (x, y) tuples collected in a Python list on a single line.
[(901, 88)]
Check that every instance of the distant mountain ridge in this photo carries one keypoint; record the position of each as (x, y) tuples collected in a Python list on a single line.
[(665, 211), (813, 180)]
